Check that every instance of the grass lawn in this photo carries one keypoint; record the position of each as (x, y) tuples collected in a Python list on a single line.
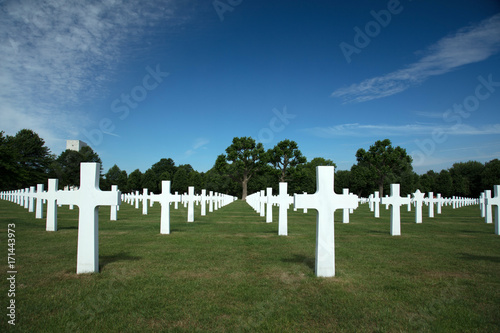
[(229, 271)]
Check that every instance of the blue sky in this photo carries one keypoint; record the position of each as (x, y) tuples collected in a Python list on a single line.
[(145, 80)]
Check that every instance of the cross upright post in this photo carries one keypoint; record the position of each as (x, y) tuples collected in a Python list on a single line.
[(431, 201), (51, 197), (203, 202), (395, 201), (283, 200), (495, 201), (165, 198), (39, 201), (418, 198), (376, 202), (345, 211), (145, 196), (325, 201), (88, 198), (190, 198), (262, 203), (114, 208), (487, 207), (269, 205)]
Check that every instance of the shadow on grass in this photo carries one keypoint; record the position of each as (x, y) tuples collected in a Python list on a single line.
[(67, 228), (469, 256), (300, 259), (122, 256)]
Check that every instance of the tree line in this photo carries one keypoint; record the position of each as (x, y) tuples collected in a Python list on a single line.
[(246, 167)]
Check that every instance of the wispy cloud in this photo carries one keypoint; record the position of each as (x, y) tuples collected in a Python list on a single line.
[(57, 55), (399, 130), (199, 143), (468, 45)]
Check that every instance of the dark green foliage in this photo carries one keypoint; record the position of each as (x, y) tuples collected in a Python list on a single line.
[(247, 157), (24, 160), (385, 163), (115, 176), (134, 182), (285, 157), (66, 167)]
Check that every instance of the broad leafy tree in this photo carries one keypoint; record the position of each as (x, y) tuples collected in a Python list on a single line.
[(134, 181), (66, 167), (385, 163), (491, 174), (285, 156), (246, 157), (115, 176)]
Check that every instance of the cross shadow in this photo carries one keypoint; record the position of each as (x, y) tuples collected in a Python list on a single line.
[(300, 259), (469, 256), (104, 260), (66, 228)]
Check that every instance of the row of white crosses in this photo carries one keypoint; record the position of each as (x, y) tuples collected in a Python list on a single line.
[(258, 200), (215, 200), (88, 199)]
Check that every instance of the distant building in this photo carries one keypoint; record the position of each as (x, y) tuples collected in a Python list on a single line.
[(75, 145)]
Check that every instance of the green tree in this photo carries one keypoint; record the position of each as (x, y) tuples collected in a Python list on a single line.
[(115, 176), (285, 156), (304, 176), (134, 181), (385, 162), (247, 159), (29, 158), (8, 165), (491, 174), (67, 165), (467, 178), (180, 181), (150, 181)]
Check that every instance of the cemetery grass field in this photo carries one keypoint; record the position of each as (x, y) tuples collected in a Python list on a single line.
[(229, 271)]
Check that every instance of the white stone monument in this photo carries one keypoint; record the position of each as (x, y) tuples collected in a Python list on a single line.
[(325, 201), (395, 200), (88, 198)]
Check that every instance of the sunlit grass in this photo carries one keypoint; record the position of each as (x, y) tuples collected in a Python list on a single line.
[(230, 271)]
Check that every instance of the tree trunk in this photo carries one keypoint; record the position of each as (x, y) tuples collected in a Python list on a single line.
[(244, 184), (381, 189)]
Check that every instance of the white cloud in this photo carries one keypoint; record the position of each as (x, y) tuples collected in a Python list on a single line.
[(400, 130), (57, 55), (468, 45), (199, 143)]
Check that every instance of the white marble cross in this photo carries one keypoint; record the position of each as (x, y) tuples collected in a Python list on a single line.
[(430, 200), (269, 205), (190, 198), (495, 201), (262, 200), (211, 202), (418, 199), (325, 201), (51, 197), (88, 198), (395, 200), (39, 201), (439, 201), (114, 208), (137, 198), (203, 200), (283, 200), (376, 202), (165, 198), (345, 211), (145, 197), (487, 207)]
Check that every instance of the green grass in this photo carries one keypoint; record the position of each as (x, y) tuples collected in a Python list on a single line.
[(229, 271)]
